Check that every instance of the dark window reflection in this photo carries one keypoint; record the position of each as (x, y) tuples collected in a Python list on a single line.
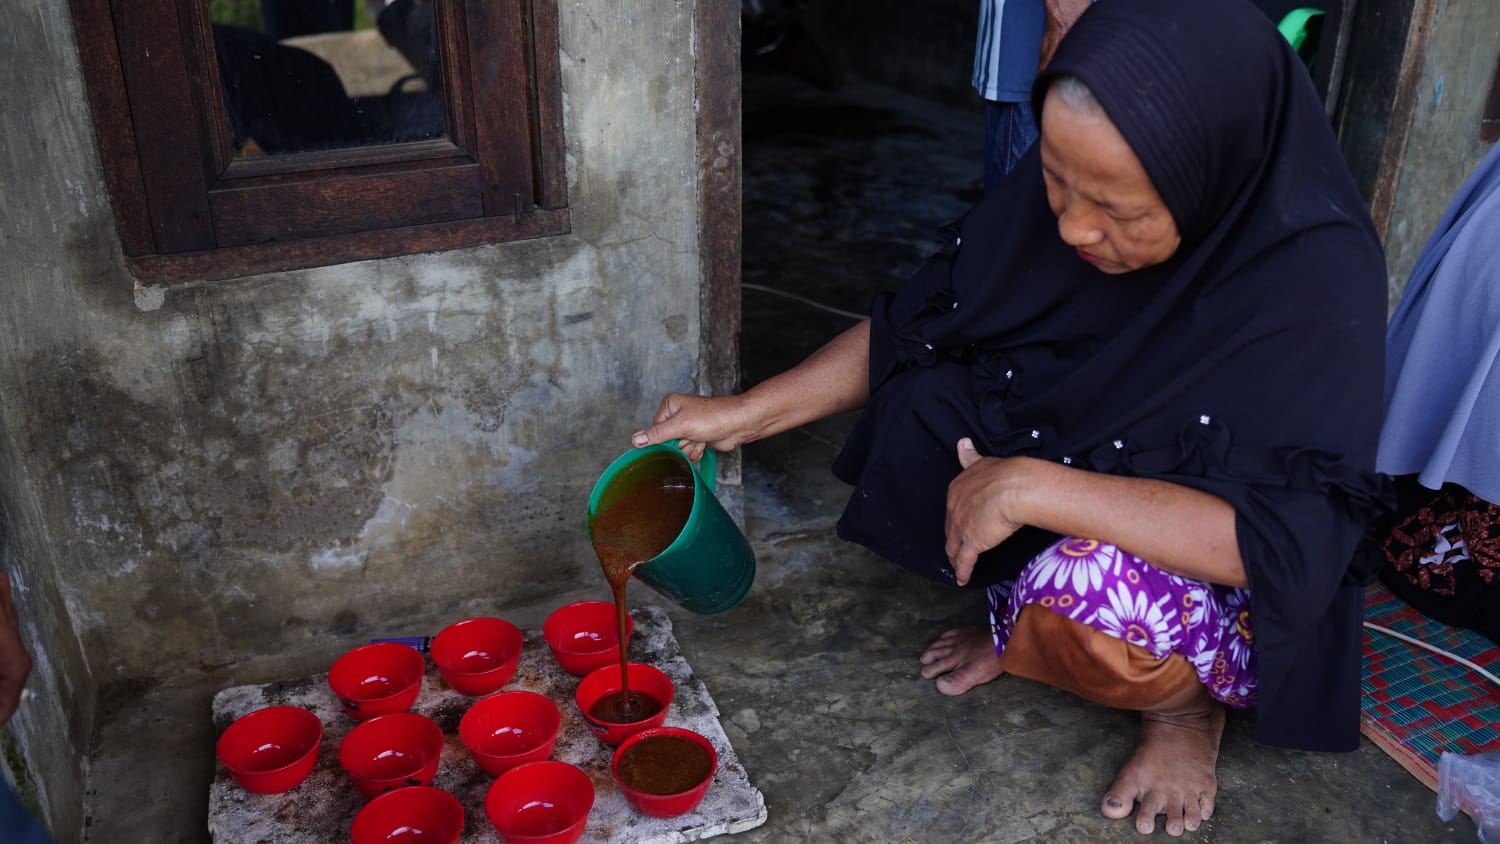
[(324, 74)]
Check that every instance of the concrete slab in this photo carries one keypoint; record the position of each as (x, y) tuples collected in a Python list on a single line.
[(323, 807)]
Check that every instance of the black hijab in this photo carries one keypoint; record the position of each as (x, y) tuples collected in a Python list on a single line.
[(1249, 364)]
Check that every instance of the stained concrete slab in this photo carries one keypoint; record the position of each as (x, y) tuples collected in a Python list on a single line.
[(324, 806)]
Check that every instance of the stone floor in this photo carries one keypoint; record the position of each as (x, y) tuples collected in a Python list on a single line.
[(816, 674)]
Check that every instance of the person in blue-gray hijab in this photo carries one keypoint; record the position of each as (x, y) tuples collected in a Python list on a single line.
[(1442, 421)]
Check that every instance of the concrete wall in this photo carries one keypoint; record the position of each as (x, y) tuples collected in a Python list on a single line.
[(1442, 144), (1415, 83), (199, 475)]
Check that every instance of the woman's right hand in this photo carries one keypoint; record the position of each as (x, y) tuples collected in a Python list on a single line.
[(833, 379), (722, 423)]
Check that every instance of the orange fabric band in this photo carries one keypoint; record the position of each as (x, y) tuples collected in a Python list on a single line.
[(1094, 665)]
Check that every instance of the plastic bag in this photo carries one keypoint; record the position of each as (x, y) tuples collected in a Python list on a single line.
[(1471, 783)]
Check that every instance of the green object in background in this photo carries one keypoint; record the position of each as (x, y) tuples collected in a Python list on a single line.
[(247, 13), (362, 16), (709, 567), (1300, 28), (244, 13)]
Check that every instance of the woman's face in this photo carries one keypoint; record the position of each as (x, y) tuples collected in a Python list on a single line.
[(1105, 203)]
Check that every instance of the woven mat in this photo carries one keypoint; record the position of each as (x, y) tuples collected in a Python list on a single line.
[(1417, 704)]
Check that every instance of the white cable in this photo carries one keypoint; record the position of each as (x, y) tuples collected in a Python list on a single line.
[(1439, 651), (794, 297)]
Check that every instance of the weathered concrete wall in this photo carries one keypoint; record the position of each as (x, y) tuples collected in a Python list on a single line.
[(1442, 143), (204, 474), (52, 196)]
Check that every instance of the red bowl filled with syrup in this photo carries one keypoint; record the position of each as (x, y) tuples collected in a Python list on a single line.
[(614, 717), (664, 772)]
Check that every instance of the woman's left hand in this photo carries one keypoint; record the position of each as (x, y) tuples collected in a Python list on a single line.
[(993, 497), (981, 506)]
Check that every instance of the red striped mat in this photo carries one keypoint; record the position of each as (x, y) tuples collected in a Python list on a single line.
[(1417, 704)]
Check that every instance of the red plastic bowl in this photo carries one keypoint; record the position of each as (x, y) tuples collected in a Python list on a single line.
[(419, 815), (477, 656), (510, 729), (392, 751), (377, 679), (271, 750), (540, 803), (605, 681), (678, 801), (585, 635)]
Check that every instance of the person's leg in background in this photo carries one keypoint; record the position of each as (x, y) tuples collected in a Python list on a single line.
[(17, 826), (1009, 130)]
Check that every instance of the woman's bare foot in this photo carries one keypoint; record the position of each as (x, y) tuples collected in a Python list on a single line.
[(1172, 770), (961, 659)]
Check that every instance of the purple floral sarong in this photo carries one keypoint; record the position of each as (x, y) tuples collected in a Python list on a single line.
[(1126, 597)]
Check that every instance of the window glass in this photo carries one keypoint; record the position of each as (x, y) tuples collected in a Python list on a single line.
[(301, 75)]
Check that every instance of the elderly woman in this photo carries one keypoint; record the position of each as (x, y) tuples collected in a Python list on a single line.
[(1136, 395)]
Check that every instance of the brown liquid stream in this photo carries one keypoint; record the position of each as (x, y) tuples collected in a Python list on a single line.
[(632, 529), (665, 765)]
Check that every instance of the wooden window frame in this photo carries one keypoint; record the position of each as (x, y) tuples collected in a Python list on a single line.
[(187, 209)]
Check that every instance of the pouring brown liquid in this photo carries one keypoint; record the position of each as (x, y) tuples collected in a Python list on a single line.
[(640, 522)]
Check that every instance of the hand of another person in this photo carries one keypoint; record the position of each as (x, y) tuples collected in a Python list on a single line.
[(978, 503), (15, 664), (693, 422)]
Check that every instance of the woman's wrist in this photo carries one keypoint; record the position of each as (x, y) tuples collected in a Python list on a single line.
[(1026, 496), (755, 415)]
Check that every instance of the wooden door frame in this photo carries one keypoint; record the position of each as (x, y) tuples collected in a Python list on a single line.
[(716, 27)]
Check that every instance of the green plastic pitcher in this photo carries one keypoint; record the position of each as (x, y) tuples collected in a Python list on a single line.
[(709, 567)]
